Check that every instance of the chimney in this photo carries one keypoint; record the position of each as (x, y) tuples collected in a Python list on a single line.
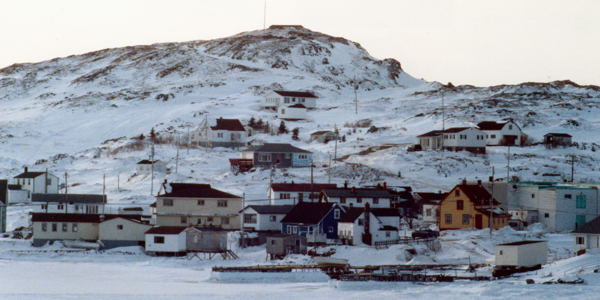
[(491, 178), (346, 184), (366, 238), (353, 190), (464, 181), (379, 186), (26, 169), (479, 182), (385, 185)]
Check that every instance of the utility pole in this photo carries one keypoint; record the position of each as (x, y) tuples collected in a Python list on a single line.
[(312, 182), (572, 168), (492, 201), (329, 170), (103, 184), (66, 183), (508, 166), (152, 170), (337, 137)]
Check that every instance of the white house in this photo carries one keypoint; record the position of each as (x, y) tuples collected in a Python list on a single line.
[(274, 99), (166, 240), (122, 231), (358, 197), (454, 139), (145, 166), (34, 183), (69, 203), (559, 206), (226, 133), (587, 236), (292, 193), (383, 225), (264, 217), (430, 206), (506, 133), (522, 254), (292, 112)]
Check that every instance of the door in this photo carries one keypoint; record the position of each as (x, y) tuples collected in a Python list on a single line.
[(478, 221)]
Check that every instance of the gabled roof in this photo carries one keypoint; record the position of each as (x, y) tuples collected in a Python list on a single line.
[(357, 192), (592, 226), (477, 194), (439, 132), (430, 198), (308, 213), (194, 190), (166, 230), (297, 105), (354, 212), (519, 243), (296, 94), (271, 209), (279, 148), (228, 124), (557, 134), (30, 174), (491, 125), (301, 187), (69, 198), (78, 218)]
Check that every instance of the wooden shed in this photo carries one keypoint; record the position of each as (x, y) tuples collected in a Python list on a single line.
[(205, 240), (280, 245)]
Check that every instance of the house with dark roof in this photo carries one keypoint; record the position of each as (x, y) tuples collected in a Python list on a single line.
[(34, 183), (50, 227), (146, 166), (3, 204), (429, 204), (187, 204), (358, 197), (278, 156), (505, 133), (294, 112), (587, 236), (292, 193), (69, 203), (277, 98), (454, 139), (318, 222), (225, 133), (382, 224), (555, 140), (470, 206), (166, 240), (264, 218)]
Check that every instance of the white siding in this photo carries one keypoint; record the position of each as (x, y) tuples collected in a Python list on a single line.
[(173, 243), (525, 255)]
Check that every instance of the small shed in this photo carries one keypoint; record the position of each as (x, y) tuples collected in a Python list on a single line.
[(587, 236), (166, 240), (145, 166), (553, 140), (205, 240), (280, 245), (520, 256)]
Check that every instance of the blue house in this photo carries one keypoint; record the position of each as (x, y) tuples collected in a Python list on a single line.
[(317, 222), (279, 156)]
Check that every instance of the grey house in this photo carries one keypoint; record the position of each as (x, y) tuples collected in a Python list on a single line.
[(278, 156), (554, 140), (69, 203), (280, 245), (205, 240)]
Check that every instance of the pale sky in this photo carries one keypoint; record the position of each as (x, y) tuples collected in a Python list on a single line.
[(463, 41)]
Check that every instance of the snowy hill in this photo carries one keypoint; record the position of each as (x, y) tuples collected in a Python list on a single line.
[(78, 114)]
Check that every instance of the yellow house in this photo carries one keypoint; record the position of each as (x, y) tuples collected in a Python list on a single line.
[(469, 206)]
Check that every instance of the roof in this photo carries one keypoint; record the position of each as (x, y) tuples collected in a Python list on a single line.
[(228, 124), (557, 134), (3, 191), (477, 193), (491, 125), (439, 132), (69, 198), (592, 226), (166, 230), (297, 105), (194, 190), (296, 94), (301, 187), (271, 209), (520, 243), (386, 212), (78, 218), (357, 192), (307, 213), (29, 174), (354, 212), (279, 148), (431, 198), (146, 162)]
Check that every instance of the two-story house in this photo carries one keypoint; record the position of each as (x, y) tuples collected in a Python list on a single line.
[(506, 133), (34, 183), (381, 225), (275, 99), (318, 222), (187, 204), (454, 139), (264, 218), (293, 193), (69, 203), (278, 156), (470, 206), (226, 133), (358, 197)]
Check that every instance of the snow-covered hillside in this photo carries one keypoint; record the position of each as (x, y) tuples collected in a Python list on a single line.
[(78, 114)]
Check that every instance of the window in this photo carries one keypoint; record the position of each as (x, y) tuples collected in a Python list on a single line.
[(567, 196), (159, 239), (209, 219), (580, 201), (222, 203), (342, 200), (579, 220), (48, 181), (289, 230), (54, 227), (546, 215), (61, 206), (225, 220), (375, 200), (272, 218), (330, 229), (44, 206), (532, 196), (493, 136), (272, 242), (120, 227), (460, 205), (428, 212), (510, 127), (250, 218), (501, 253), (310, 230), (200, 202), (183, 219), (220, 135), (286, 100), (580, 240), (336, 214), (465, 219), (361, 222), (44, 227), (284, 195), (74, 227), (448, 218), (167, 202), (457, 193), (264, 157), (283, 111), (358, 200), (294, 229)]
